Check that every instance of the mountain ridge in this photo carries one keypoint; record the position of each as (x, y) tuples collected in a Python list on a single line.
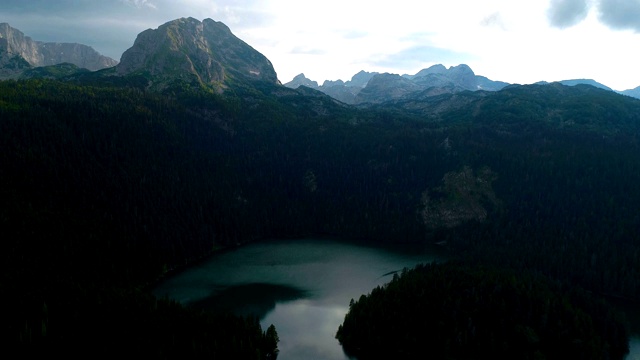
[(372, 87), (190, 50), (37, 53)]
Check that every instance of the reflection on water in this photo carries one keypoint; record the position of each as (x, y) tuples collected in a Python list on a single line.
[(634, 348), (242, 299), (631, 310), (303, 287)]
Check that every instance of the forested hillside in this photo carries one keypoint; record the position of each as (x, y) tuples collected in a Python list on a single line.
[(451, 311), (101, 195), (106, 188)]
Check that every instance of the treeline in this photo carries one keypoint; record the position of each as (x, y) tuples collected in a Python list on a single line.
[(452, 311), (80, 320), (116, 186)]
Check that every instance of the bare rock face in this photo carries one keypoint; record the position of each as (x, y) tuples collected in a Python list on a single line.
[(464, 196), (80, 55), (14, 43), (189, 50), (301, 80), (385, 87)]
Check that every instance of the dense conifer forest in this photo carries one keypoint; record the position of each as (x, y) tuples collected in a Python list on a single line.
[(450, 311), (107, 187)]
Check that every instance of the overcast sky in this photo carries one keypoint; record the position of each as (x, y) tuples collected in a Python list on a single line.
[(518, 41)]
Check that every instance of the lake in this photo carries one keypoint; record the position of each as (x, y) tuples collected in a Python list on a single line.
[(302, 286)]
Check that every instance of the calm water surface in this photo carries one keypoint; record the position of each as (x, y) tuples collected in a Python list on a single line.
[(303, 287)]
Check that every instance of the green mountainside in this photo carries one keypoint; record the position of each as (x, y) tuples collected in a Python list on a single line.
[(110, 182)]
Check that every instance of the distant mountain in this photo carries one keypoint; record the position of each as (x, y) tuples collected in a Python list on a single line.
[(574, 82), (384, 87), (460, 76), (19, 52), (434, 69), (361, 79), (432, 81), (374, 88), (591, 82), (632, 92), (194, 52), (338, 89), (301, 80), (483, 83)]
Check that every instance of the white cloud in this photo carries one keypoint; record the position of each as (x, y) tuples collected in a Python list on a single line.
[(140, 4)]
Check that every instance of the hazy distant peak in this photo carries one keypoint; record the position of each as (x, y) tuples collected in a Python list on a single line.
[(361, 79), (37, 53), (573, 82), (329, 83), (591, 82), (462, 69), (635, 92), (301, 80), (434, 69)]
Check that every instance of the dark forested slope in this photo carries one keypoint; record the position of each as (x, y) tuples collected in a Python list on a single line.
[(449, 311), (115, 185), (101, 194)]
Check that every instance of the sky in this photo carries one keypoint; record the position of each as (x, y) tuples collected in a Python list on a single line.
[(517, 41)]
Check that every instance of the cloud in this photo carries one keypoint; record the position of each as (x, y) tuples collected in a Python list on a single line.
[(305, 50), (493, 20), (140, 4), (566, 13), (620, 14), (354, 34), (615, 14)]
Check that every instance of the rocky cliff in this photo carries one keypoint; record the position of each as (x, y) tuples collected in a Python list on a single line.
[(194, 52), (14, 45)]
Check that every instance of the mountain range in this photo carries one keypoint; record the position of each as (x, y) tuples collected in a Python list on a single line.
[(208, 53), (19, 52), (376, 88)]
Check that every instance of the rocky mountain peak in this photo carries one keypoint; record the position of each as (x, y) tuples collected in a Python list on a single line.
[(190, 50), (434, 69), (361, 79), (301, 80), (463, 75), (14, 43)]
